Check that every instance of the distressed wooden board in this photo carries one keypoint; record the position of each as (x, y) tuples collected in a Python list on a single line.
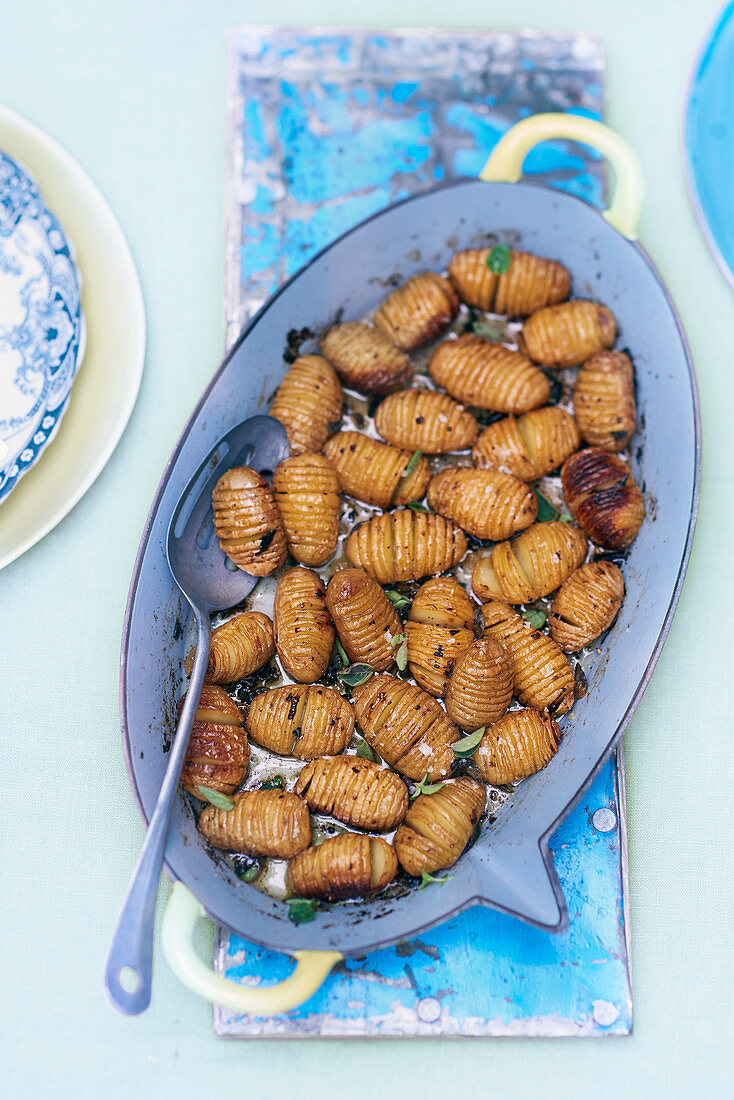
[(325, 128)]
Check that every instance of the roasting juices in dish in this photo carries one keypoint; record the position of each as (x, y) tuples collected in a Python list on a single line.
[(434, 554)]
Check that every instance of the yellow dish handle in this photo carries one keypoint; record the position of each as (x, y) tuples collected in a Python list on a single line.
[(179, 920), (506, 160)]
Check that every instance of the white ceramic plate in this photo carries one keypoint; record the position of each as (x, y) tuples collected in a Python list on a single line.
[(108, 380)]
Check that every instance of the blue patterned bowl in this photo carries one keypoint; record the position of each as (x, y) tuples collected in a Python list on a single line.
[(41, 323)]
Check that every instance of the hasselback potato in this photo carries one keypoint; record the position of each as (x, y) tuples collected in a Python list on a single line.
[(364, 618), (439, 629), (304, 632), (486, 503), (604, 400), (365, 359), (247, 522), (486, 375), (480, 689), (375, 472), (308, 404), (217, 754), (425, 420), (406, 726), (541, 674), (530, 283), (516, 746), (405, 546), (238, 648), (262, 823), (567, 334), (347, 866), (438, 827), (301, 720), (307, 494), (603, 497), (586, 605), (529, 446), (418, 311), (530, 566), (356, 791)]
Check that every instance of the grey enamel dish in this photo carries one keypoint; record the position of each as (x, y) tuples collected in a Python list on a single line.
[(509, 867)]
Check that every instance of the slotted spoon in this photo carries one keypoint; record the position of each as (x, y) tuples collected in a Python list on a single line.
[(210, 582)]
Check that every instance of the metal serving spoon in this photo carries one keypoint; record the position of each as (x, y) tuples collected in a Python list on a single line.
[(210, 582)]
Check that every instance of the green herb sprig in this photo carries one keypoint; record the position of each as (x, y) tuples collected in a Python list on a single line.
[(430, 880), (412, 463), (401, 657), (535, 616), (398, 601), (424, 787), (301, 910), (546, 511), (367, 753), (499, 259), (356, 674), (216, 798), (486, 330), (466, 747), (418, 506)]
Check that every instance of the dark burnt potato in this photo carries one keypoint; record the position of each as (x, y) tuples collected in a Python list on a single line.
[(375, 472), (218, 754), (263, 823), (365, 359), (438, 827), (530, 282), (487, 375), (603, 497), (247, 522), (347, 866), (418, 312)]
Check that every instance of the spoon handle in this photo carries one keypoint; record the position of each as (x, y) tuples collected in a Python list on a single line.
[(131, 950)]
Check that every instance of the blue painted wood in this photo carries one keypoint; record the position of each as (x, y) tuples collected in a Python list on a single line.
[(326, 129)]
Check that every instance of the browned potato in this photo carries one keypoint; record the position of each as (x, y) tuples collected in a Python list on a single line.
[(528, 446), (247, 522), (307, 494), (486, 503), (603, 497), (480, 690), (239, 647), (541, 674), (418, 311), (406, 726), (486, 375), (217, 753), (530, 283), (516, 746), (356, 791), (347, 866), (604, 400), (262, 823), (531, 565), (439, 629), (586, 605), (364, 618), (375, 472), (301, 720), (405, 546), (439, 826), (308, 404), (304, 632), (425, 420), (365, 359), (567, 334)]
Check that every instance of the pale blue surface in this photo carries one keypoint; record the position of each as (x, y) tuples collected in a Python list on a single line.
[(710, 139), (136, 92)]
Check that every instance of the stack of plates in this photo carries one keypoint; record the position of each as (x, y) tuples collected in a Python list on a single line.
[(42, 331)]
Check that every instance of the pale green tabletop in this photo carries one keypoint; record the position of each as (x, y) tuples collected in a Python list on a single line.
[(136, 92)]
